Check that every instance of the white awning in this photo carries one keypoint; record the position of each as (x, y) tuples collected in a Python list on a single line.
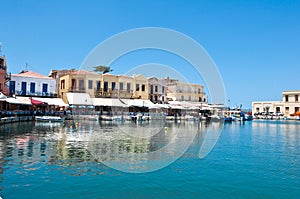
[(79, 99), (109, 102), (140, 103), (2, 96), (51, 101), (19, 100), (159, 106)]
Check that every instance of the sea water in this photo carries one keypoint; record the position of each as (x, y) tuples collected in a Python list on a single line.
[(258, 159)]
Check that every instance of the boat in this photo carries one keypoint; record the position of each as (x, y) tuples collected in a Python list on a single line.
[(49, 119)]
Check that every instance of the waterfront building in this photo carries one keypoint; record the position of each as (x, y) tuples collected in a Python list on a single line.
[(79, 81), (289, 105), (115, 86), (291, 101), (29, 83), (183, 91), (4, 77), (140, 87), (157, 90)]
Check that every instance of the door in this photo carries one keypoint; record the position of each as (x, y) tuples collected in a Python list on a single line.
[(12, 87), (45, 88), (23, 88), (32, 87)]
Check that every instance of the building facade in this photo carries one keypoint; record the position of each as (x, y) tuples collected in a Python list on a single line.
[(4, 77), (79, 81), (29, 83), (183, 91), (157, 90), (290, 104), (140, 87)]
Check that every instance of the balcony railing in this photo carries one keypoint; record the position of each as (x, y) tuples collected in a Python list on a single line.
[(28, 93), (109, 93)]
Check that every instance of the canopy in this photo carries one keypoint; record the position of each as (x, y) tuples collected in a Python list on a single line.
[(140, 103), (52, 101), (2, 96), (19, 100), (296, 114), (36, 102), (109, 102), (79, 99)]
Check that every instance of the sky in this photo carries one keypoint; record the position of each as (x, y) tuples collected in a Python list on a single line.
[(255, 44)]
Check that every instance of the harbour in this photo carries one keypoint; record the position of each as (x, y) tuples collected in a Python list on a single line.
[(250, 160)]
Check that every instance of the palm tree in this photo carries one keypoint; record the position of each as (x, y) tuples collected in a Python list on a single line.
[(102, 69)]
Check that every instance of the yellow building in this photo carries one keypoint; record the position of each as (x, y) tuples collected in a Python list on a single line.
[(140, 87), (183, 91), (79, 81)]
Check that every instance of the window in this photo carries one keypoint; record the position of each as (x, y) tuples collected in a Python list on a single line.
[(163, 89), (73, 86), (182, 97), (163, 98), (90, 86), (98, 85), (190, 98), (45, 88), (128, 87), (113, 86), (296, 109), (81, 84), (105, 86), (257, 109), (286, 98), (32, 87), (137, 87), (156, 88), (62, 84), (199, 90), (143, 87), (151, 89), (287, 109), (200, 99), (121, 86), (296, 98)]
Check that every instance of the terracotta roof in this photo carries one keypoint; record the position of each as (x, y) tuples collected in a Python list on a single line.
[(31, 74), (77, 72)]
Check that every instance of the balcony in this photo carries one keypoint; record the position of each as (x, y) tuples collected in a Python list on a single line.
[(37, 94), (112, 93), (76, 89)]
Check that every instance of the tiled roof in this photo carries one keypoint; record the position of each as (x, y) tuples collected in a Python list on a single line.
[(31, 74), (78, 72)]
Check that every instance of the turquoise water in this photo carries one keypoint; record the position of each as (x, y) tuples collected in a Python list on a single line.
[(259, 159)]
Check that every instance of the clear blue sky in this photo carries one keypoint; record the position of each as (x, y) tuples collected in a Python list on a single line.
[(255, 44)]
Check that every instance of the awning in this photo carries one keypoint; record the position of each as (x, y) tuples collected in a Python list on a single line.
[(36, 102), (109, 102), (140, 103), (79, 99), (52, 101), (2, 96), (19, 100), (159, 106)]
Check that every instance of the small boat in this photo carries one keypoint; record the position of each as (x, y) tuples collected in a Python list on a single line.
[(49, 119)]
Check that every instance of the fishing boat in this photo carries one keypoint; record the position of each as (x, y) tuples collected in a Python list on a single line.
[(49, 119)]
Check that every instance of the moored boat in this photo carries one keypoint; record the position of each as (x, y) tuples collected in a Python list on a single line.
[(49, 119)]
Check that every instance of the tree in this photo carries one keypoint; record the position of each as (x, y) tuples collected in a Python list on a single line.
[(102, 69)]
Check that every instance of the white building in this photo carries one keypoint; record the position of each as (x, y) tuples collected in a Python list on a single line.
[(29, 83), (289, 105), (157, 90)]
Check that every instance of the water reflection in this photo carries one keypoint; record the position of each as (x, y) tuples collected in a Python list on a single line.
[(72, 142)]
